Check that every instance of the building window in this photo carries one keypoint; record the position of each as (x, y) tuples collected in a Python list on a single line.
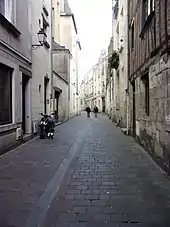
[(5, 95), (6, 9), (132, 36), (103, 70), (148, 8), (145, 80)]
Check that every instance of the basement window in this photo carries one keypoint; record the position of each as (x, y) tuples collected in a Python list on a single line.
[(145, 80)]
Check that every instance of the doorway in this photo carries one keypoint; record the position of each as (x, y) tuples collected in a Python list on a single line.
[(46, 80), (103, 104), (56, 97), (25, 104), (134, 109)]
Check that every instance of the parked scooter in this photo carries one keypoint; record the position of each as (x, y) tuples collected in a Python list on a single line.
[(47, 126)]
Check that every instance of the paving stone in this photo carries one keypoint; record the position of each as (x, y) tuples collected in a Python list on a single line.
[(110, 182), (79, 210), (102, 218)]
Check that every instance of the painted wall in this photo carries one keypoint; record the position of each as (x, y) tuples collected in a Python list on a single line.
[(100, 75), (41, 58), (61, 79), (69, 40), (120, 77), (15, 52)]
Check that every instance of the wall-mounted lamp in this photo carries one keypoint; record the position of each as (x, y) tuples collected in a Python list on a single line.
[(42, 38)]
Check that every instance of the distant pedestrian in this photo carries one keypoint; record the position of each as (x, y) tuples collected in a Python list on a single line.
[(96, 110), (88, 110)]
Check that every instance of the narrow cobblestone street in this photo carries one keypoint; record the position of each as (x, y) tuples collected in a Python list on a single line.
[(90, 175)]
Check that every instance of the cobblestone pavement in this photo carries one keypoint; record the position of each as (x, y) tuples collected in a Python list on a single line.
[(112, 182), (91, 175)]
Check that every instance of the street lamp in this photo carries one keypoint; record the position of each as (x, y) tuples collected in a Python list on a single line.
[(42, 38)]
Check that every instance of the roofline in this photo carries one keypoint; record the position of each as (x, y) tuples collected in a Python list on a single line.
[(79, 44), (70, 15)]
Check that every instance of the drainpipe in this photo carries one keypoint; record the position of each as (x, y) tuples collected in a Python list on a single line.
[(52, 79), (128, 73), (112, 79)]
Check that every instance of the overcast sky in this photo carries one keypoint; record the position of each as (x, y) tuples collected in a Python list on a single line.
[(94, 20)]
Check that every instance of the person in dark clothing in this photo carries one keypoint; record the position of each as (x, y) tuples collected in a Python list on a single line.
[(88, 110), (96, 110)]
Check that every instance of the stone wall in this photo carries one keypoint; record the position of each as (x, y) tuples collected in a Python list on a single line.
[(61, 64), (153, 131), (63, 111)]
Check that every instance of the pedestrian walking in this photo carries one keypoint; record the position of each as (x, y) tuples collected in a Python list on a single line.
[(88, 110), (96, 110)]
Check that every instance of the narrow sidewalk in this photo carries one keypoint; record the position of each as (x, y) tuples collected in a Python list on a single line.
[(26, 171)]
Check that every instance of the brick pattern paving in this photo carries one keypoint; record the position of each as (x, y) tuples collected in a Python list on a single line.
[(111, 183), (26, 171)]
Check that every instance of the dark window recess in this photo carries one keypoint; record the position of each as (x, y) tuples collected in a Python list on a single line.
[(132, 36), (5, 95), (148, 8), (145, 80)]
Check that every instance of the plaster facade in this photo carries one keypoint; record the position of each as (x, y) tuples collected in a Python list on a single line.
[(15, 64)]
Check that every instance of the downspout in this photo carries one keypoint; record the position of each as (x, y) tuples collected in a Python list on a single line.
[(128, 73), (52, 79), (112, 80)]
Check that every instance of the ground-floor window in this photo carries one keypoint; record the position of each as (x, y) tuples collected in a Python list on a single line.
[(5, 95), (145, 80)]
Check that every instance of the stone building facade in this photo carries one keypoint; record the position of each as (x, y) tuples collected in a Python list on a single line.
[(95, 84), (41, 88), (99, 82), (89, 89), (61, 72), (61, 67), (109, 82), (69, 39), (149, 35), (120, 73), (82, 95), (66, 56), (15, 71)]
